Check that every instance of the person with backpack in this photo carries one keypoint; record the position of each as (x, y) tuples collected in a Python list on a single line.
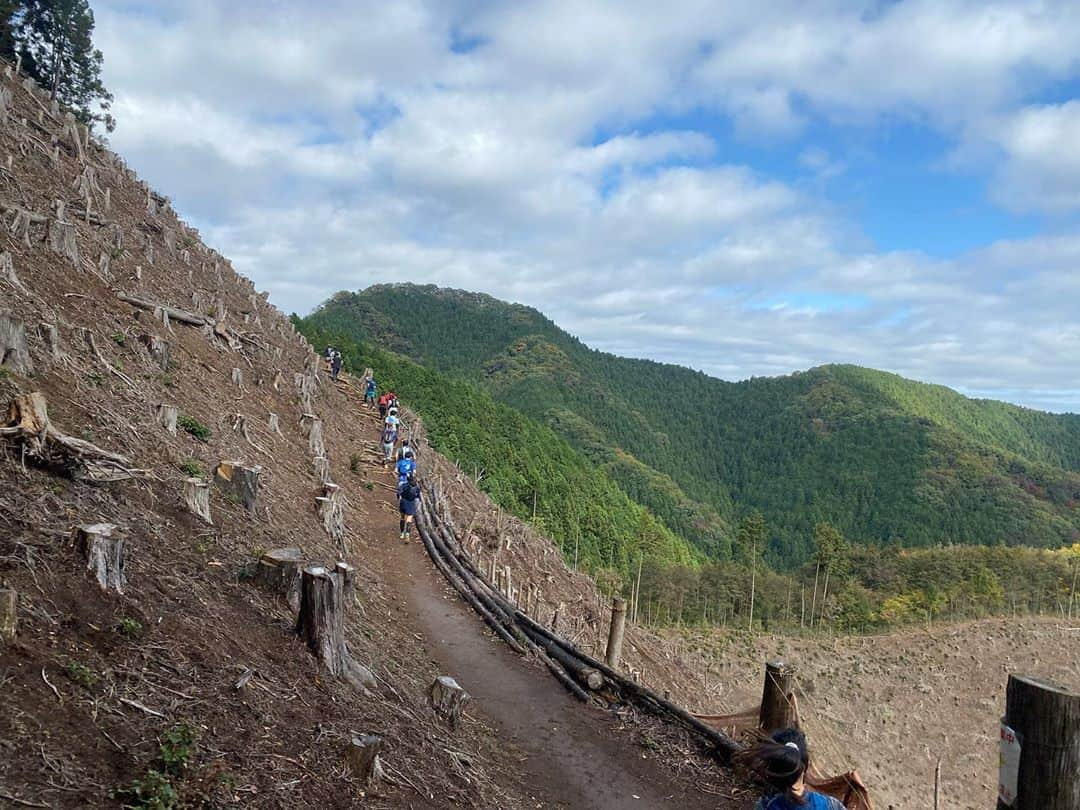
[(369, 392), (336, 361), (406, 469), (406, 450), (782, 760), (408, 504), (389, 439), (384, 405)]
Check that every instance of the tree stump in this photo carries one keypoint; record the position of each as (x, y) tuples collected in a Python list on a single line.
[(778, 708), (61, 238), (13, 351), (239, 481), (273, 424), (279, 572), (348, 580), (9, 605), (197, 498), (322, 470), (616, 631), (313, 426), (448, 699), (104, 554), (331, 511), (7, 271), (321, 624), (167, 416), (158, 348), (362, 757), (50, 336), (238, 378)]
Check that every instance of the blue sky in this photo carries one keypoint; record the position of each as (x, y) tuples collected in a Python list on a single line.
[(746, 189)]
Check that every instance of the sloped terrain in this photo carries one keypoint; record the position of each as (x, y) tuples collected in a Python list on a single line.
[(882, 458)]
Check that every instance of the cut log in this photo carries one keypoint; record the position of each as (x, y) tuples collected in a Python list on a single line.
[(239, 481), (175, 314), (320, 623), (104, 553), (28, 424), (197, 498), (279, 572), (158, 348), (9, 615), (167, 416), (448, 699), (13, 351), (362, 757)]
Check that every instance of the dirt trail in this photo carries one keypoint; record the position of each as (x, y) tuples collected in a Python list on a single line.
[(572, 756)]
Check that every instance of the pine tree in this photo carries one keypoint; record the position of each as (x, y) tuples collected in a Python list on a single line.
[(55, 40), (7, 28)]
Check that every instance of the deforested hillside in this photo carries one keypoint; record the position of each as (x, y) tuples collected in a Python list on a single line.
[(162, 427), (884, 459)]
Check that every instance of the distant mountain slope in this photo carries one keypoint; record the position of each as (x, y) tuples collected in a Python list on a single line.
[(884, 458)]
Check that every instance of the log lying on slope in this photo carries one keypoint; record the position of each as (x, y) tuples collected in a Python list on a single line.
[(190, 318)]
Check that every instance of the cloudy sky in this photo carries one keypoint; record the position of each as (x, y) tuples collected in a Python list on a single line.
[(745, 188)]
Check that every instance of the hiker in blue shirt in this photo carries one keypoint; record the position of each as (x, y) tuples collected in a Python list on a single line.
[(406, 468), (369, 392), (782, 760), (408, 504)]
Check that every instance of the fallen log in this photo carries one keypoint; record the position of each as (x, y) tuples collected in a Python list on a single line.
[(190, 318)]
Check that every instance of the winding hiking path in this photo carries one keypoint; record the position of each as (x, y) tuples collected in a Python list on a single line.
[(571, 755)]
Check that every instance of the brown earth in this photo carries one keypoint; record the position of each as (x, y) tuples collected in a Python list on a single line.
[(94, 682)]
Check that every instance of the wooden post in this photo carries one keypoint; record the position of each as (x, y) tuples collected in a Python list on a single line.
[(1045, 719), (9, 604), (778, 698), (616, 632)]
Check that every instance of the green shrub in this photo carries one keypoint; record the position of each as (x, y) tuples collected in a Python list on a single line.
[(81, 674), (130, 627), (119, 338), (178, 747), (192, 468), (193, 426), (355, 461), (154, 792)]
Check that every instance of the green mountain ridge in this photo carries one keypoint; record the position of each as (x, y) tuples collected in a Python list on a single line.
[(885, 459)]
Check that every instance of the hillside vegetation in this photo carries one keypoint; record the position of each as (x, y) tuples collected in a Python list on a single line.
[(885, 460)]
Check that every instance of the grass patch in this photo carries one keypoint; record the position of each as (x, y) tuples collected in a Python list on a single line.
[(369, 485), (129, 627), (191, 425), (191, 468), (355, 460), (154, 792), (119, 338), (81, 675)]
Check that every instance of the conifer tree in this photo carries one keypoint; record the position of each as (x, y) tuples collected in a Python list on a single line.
[(7, 28), (55, 39)]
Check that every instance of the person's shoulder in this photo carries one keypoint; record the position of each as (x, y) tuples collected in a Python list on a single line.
[(823, 802)]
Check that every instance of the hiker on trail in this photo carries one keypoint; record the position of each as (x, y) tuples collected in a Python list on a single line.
[(370, 388), (384, 404), (408, 504), (406, 450), (406, 469), (389, 439), (335, 365), (782, 760)]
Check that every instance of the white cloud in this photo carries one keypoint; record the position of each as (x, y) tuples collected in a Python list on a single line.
[(333, 145)]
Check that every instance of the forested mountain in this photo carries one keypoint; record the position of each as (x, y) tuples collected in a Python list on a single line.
[(886, 460)]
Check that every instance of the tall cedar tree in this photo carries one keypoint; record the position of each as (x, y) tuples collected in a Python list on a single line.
[(7, 28), (55, 40)]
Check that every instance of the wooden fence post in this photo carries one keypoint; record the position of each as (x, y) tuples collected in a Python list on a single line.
[(616, 632), (1044, 720), (778, 698)]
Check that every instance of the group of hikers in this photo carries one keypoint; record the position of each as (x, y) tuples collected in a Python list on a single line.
[(400, 458), (782, 759)]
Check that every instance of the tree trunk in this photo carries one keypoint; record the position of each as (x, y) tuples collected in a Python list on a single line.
[(448, 699), (1045, 719), (824, 594), (9, 615), (279, 572), (778, 708), (813, 602), (615, 632), (321, 624), (753, 585), (104, 554), (13, 351), (239, 481), (197, 498)]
